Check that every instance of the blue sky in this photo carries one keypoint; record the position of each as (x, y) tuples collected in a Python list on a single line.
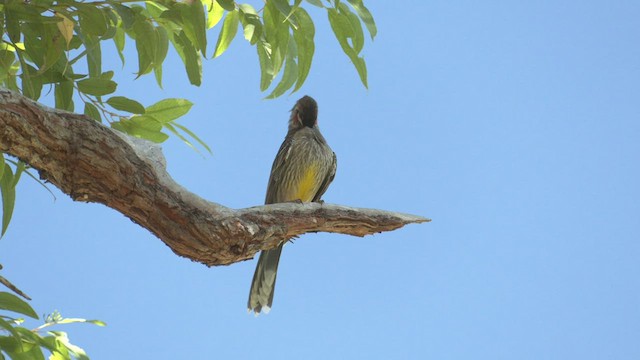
[(514, 126)]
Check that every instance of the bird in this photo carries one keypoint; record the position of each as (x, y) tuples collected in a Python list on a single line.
[(303, 168)]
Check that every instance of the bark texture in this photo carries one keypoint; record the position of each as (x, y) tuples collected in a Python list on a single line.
[(93, 163)]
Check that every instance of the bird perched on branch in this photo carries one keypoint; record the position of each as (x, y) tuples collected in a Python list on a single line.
[(302, 171)]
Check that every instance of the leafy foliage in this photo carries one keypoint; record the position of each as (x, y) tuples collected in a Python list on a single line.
[(43, 41), (18, 342)]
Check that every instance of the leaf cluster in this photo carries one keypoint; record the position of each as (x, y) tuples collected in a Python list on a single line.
[(20, 343), (43, 42)]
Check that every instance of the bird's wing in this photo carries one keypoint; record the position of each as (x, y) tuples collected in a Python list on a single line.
[(327, 179), (276, 170)]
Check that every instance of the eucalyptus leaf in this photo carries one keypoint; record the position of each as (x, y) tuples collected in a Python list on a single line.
[(190, 133), (317, 3), (8, 192), (13, 303), (228, 32), (214, 14), (92, 111), (190, 58), (142, 126), (146, 43), (63, 94), (119, 41), (169, 109), (228, 5), (92, 20), (342, 29), (1, 165), (289, 75), (365, 16), (266, 66), (7, 326), (356, 34), (125, 104), (197, 19), (305, 44), (97, 86)]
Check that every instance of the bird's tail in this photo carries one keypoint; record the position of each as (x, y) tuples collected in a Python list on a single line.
[(264, 281)]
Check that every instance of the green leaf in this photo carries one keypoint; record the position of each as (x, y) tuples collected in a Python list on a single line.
[(31, 84), (214, 15), (97, 86), (365, 16), (204, 145), (92, 20), (8, 192), (341, 27), (125, 104), (195, 25), (305, 44), (146, 42), (156, 9), (107, 75), (64, 95), (356, 35), (142, 126), (8, 327), (127, 15), (77, 351), (228, 32), (157, 73), (162, 46), (277, 35), (54, 49), (1, 165), (20, 166), (317, 3), (361, 66), (251, 23), (169, 109), (266, 66), (93, 52), (285, 9), (228, 5), (10, 344), (283, 6), (119, 40), (56, 347), (161, 53), (92, 111), (33, 42), (112, 22), (175, 132), (289, 76), (172, 16), (190, 57), (13, 303), (7, 58), (12, 24)]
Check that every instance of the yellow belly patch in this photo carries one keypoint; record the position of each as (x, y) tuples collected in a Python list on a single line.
[(307, 187)]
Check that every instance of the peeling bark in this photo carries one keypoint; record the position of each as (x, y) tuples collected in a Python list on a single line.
[(93, 163)]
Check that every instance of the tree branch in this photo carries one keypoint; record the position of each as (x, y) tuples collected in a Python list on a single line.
[(93, 163)]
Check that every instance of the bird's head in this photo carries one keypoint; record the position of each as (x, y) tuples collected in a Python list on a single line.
[(304, 113)]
